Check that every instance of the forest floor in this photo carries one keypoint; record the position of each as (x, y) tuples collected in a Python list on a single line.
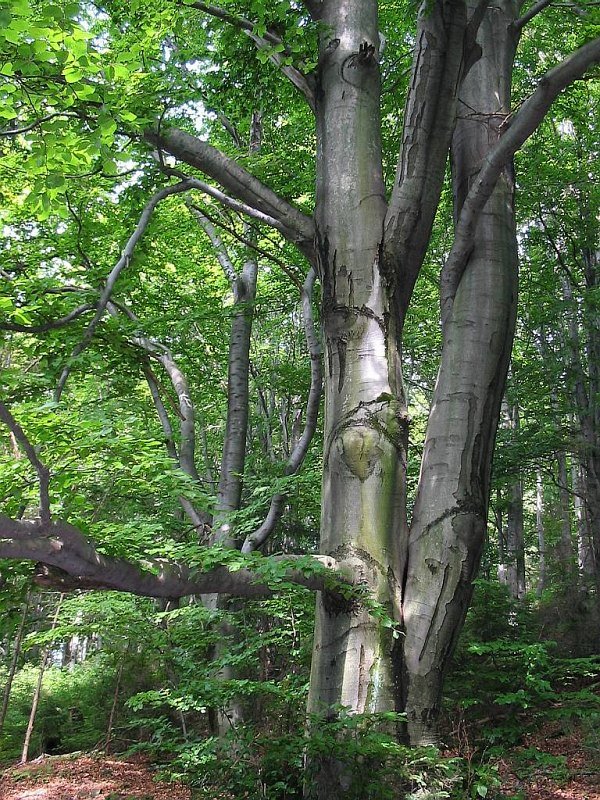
[(553, 763)]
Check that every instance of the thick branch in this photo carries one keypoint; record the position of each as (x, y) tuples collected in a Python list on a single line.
[(123, 262), (42, 471), (296, 459), (293, 224), (429, 120), (520, 23), (62, 546), (523, 124)]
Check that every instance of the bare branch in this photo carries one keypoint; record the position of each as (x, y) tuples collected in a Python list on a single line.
[(523, 124), (63, 547), (296, 459), (123, 262), (253, 246), (42, 471), (255, 197), (46, 326)]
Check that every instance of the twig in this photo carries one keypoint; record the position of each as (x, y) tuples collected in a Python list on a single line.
[(123, 262)]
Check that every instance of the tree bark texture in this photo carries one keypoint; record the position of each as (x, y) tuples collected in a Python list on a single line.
[(450, 514)]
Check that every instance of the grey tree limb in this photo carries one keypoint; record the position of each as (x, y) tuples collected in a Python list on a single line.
[(430, 106), (72, 562), (535, 9), (42, 470), (298, 454), (523, 124), (46, 326), (254, 196), (113, 276)]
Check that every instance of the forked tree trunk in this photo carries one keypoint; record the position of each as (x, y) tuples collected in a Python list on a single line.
[(450, 514)]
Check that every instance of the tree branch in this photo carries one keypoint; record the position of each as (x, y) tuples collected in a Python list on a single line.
[(429, 120), (296, 459), (267, 41), (254, 195), (520, 23), (42, 471), (63, 547), (523, 124), (46, 326), (123, 262), (217, 243)]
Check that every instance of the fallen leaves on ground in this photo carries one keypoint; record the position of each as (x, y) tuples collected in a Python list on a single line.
[(87, 777), (554, 763)]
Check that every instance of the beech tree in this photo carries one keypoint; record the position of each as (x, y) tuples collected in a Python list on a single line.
[(366, 243)]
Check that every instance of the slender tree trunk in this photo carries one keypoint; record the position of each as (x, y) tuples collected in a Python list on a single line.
[(541, 534), (113, 708), (515, 542), (565, 552), (13, 662), (450, 513), (585, 554), (38, 689)]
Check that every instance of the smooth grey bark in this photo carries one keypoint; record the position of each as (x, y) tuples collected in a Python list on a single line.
[(585, 554), (450, 514)]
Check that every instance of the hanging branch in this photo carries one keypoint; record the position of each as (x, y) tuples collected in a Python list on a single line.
[(523, 124), (42, 471), (259, 537), (216, 241), (185, 458), (113, 276), (251, 244)]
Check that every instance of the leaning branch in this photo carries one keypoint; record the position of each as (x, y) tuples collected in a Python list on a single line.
[(123, 262), (254, 195), (41, 469), (60, 546), (296, 459), (523, 124)]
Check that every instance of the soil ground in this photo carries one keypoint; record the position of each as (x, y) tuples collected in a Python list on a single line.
[(552, 764)]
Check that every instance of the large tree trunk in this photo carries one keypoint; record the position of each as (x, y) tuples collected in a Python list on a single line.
[(450, 514), (365, 421)]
